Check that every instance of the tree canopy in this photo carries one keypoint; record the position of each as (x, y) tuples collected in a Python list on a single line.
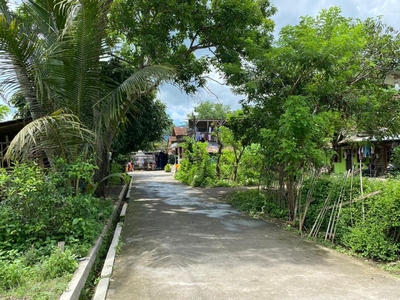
[(53, 52), (320, 81), (145, 126), (191, 35), (208, 110)]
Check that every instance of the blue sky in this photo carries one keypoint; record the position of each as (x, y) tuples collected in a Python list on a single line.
[(289, 12)]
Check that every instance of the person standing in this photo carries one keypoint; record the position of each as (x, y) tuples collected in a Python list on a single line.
[(129, 166)]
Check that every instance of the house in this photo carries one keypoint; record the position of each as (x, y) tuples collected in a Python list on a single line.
[(8, 130), (202, 130), (373, 154), (178, 136)]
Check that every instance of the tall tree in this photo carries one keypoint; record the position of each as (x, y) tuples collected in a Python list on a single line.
[(193, 35), (322, 79), (146, 126), (53, 52)]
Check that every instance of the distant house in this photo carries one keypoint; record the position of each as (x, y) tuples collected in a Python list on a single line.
[(374, 155), (202, 130), (174, 142), (8, 130)]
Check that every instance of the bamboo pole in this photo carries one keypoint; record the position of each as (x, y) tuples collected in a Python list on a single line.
[(361, 187)]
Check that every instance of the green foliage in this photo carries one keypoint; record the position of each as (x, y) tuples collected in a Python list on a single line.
[(395, 159), (196, 25), (4, 111), (41, 209), (148, 123), (369, 227), (377, 234), (12, 274), (20, 273), (256, 203), (250, 166), (167, 168), (38, 209), (118, 175), (226, 165), (58, 264), (211, 111), (196, 168)]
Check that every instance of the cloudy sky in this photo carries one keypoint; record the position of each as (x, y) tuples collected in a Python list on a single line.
[(289, 12)]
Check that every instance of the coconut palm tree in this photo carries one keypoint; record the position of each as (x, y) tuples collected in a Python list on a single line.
[(52, 51)]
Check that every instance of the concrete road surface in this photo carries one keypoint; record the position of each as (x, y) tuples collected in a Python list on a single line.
[(183, 244)]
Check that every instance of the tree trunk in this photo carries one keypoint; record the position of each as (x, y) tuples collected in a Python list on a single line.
[(236, 165), (291, 195), (102, 163), (217, 167), (282, 190), (103, 147)]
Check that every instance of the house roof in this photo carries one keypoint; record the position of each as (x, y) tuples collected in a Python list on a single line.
[(179, 131), (361, 138), (12, 125), (11, 128)]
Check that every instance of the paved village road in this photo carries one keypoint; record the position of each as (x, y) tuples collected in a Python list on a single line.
[(180, 243)]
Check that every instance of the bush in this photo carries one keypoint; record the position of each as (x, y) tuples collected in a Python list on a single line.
[(58, 264), (40, 209), (256, 203), (196, 169), (117, 168), (376, 235), (167, 168), (12, 274), (369, 227)]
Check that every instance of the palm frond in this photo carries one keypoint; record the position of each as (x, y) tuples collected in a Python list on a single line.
[(5, 10), (17, 51), (58, 134), (116, 103)]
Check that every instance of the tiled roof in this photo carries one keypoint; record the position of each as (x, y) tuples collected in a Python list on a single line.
[(179, 131)]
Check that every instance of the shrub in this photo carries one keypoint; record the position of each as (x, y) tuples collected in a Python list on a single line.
[(39, 210), (117, 168), (369, 227), (255, 203), (167, 168), (12, 274), (58, 264), (196, 169), (376, 234)]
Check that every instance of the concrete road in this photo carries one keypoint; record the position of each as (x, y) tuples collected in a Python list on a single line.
[(182, 244)]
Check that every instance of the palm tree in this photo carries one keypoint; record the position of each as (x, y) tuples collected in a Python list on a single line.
[(53, 52)]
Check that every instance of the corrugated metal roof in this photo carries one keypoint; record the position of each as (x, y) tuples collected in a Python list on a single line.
[(359, 139)]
